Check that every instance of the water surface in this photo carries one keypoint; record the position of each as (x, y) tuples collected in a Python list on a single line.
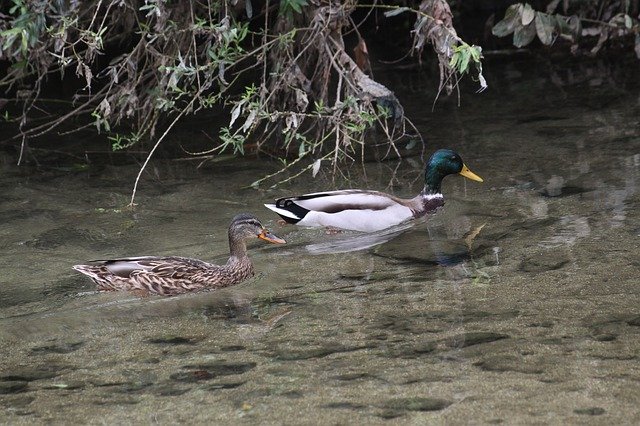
[(516, 303)]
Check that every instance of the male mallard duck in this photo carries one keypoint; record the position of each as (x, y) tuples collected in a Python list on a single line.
[(368, 211), (172, 275)]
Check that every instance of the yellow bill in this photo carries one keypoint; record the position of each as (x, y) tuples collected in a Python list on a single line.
[(469, 174), (268, 236)]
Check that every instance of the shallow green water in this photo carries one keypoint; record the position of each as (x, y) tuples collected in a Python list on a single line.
[(534, 320)]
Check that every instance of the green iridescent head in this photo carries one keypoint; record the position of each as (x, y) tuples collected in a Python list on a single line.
[(444, 162)]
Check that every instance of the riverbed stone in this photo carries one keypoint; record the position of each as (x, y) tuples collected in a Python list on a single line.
[(321, 352), (416, 404), (352, 376), (389, 414), (634, 321), (192, 376), (503, 363), (605, 337), (57, 237), (72, 385), (410, 351), (119, 400), (590, 411), (31, 373), (232, 348), (57, 348), (549, 260), (344, 405), (223, 368), (173, 340), (224, 385), (17, 401), (13, 386), (474, 338)]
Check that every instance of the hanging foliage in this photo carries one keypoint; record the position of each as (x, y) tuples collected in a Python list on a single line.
[(611, 22)]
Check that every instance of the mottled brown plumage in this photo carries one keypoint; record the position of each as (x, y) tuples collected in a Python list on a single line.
[(173, 275)]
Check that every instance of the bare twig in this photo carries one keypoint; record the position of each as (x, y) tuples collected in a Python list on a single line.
[(155, 146)]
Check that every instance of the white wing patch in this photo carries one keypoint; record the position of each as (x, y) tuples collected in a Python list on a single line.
[(282, 212)]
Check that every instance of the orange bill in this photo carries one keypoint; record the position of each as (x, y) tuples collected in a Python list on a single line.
[(268, 236), (469, 174)]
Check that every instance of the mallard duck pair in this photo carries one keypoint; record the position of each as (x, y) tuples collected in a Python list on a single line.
[(353, 209)]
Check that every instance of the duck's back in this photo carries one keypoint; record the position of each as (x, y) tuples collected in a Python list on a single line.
[(164, 275)]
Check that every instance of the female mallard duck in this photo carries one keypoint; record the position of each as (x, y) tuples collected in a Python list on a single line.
[(368, 211), (172, 275)]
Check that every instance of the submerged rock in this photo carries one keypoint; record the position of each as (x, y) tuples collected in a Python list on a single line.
[(232, 348), (344, 405), (411, 351), (116, 401), (550, 260), (417, 404), (474, 338), (352, 376), (591, 411), (503, 363), (18, 401), (192, 376), (328, 349), (170, 390), (173, 340), (605, 337), (57, 348), (390, 414), (227, 385), (13, 386), (57, 237), (634, 322), (65, 385), (223, 368), (29, 374)]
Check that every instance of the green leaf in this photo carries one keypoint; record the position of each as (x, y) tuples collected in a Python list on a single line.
[(287, 6), (528, 14), (25, 39), (476, 53), (524, 35), (10, 31), (508, 24), (464, 61), (545, 25)]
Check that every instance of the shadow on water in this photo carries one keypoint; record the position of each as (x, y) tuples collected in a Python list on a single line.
[(517, 302)]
